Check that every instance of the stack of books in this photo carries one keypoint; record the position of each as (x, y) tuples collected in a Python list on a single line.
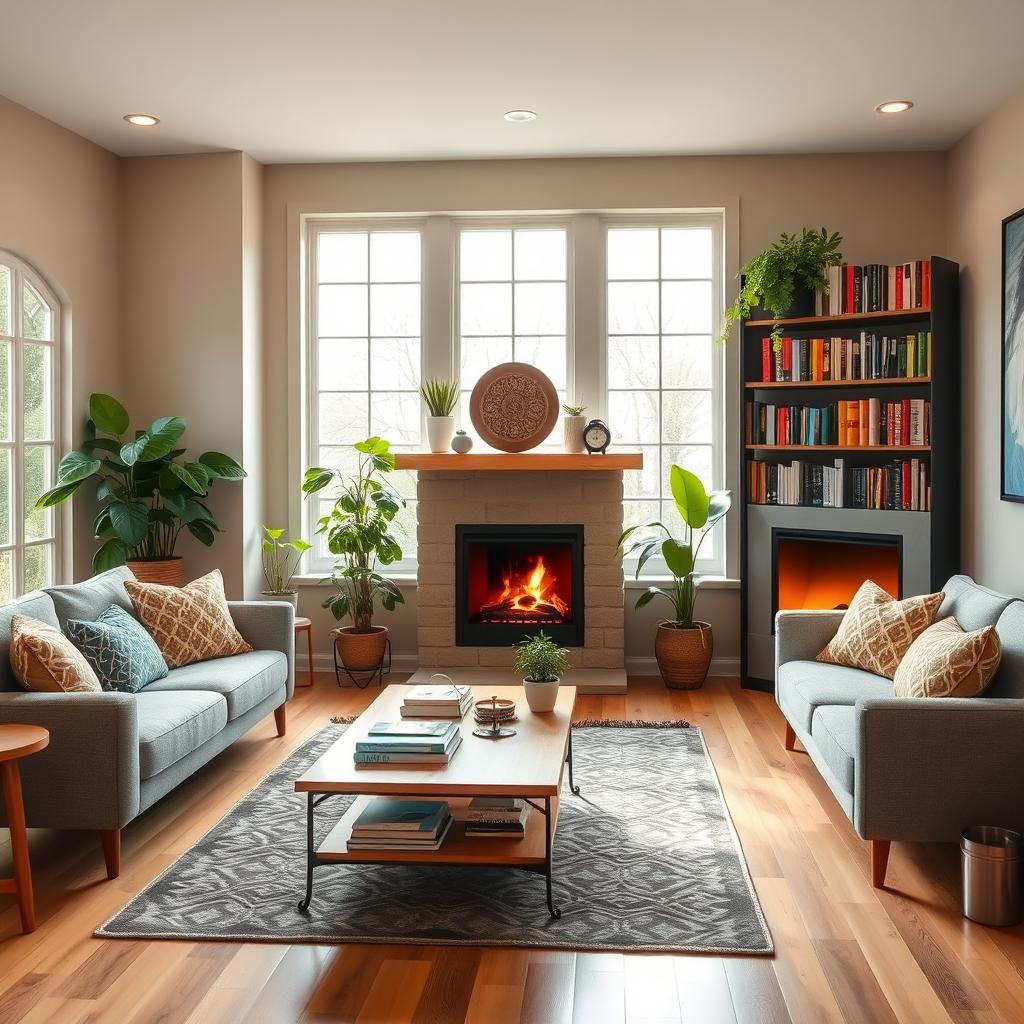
[(864, 423), (406, 742), (445, 700), (867, 357), (401, 825), (875, 287), (500, 816)]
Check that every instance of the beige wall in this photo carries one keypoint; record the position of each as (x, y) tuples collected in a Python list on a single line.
[(986, 185), (59, 212), (890, 207)]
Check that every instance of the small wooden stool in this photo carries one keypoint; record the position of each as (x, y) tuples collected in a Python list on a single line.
[(16, 742), (302, 624)]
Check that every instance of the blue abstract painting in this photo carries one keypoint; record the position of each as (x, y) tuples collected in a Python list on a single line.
[(1013, 358)]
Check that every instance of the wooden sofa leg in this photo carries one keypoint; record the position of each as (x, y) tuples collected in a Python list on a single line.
[(790, 737), (112, 851), (281, 718), (879, 861)]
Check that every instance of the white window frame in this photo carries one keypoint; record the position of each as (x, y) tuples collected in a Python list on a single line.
[(22, 272)]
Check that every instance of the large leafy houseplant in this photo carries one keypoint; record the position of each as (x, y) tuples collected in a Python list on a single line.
[(148, 489), (771, 279)]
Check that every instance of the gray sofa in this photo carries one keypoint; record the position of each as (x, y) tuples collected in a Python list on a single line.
[(113, 755), (909, 769)]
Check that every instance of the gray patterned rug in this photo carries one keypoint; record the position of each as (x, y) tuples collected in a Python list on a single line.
[(646, 858)]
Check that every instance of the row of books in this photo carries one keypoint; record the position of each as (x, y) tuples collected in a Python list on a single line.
[(901, 485), (866, 422), (875, 288), (437, 701), (867, 357), (408, 742), (422, 825)]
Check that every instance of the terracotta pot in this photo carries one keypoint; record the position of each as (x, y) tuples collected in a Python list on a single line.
[(541, 696), (167, 571), (684, 655), (361, 652)]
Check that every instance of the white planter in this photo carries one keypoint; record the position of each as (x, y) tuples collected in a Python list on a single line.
[(292, 597), (573, 427), (541, 696), (440, 431)]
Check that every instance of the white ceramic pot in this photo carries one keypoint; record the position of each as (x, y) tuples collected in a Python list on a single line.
[(291, 596), (573, 427), (541, 696), (440, 431)]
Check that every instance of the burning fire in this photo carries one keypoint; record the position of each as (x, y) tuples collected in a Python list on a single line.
[(528, 594)]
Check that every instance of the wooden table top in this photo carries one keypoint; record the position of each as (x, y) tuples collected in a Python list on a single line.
[(301, 622), (21, 740), (527, 764)]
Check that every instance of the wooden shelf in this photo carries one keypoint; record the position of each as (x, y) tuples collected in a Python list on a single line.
[(753, 385), (832, 508), (920, 313), (839, 447), (495, 461)]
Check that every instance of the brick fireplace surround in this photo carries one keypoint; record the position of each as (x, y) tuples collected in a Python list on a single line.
[(570, 489)]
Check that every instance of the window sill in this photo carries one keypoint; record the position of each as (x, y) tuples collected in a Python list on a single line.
[(407, 581), (315, 579)]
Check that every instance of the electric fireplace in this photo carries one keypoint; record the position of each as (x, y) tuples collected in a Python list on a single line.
[(512, 581)]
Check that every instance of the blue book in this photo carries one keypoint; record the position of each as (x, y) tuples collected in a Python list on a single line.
[(427, 730), (406, 816), (406, 744)]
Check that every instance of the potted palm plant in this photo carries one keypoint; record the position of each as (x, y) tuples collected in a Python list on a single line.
[(572, 426), (148, 489), (280, 560), (440, 397), (683, 645), (541, 663), (357, 530)]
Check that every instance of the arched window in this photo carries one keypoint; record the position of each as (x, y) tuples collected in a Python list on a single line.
[(29, 366)]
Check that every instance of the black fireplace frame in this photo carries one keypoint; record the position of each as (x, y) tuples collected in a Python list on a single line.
[(490, 634)]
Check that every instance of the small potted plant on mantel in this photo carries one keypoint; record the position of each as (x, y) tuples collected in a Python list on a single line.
[(357, 530), (572, 426), (280, 560), (541, 663), (683, 645), (440, 397)]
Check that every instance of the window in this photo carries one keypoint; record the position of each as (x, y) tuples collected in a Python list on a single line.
[(661, 314), (29, 325), (512, 304)]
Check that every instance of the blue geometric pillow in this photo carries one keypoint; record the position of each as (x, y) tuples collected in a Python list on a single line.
[(122, 654)]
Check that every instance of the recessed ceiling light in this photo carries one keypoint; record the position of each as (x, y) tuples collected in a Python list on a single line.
[(893, 107), (520, 116), (142, 120)]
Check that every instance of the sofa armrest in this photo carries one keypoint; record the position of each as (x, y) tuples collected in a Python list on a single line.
[(88, 775), (928, 767), (800, 635), (268, 626)]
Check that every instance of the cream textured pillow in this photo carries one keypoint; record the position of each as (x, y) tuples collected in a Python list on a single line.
[(190, 623), (877, 630), (44, 660), (944, 661)]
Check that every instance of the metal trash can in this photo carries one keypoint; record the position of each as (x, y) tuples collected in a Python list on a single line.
[(990, 859)]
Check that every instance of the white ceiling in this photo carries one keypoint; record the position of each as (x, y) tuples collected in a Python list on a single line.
[(311, 80)]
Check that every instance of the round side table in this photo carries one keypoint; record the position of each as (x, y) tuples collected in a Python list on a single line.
[(304, 625), (16, 742)]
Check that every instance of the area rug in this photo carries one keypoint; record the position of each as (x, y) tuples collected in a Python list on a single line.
[(645, 858)]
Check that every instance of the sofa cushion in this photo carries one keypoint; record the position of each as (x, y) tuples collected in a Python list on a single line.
[(834, 731), (243, 680), (172, 725), (91, 598), (1009, 679), (973, 606), (944, 661), (122, 654), (36, 605), (803, 686), (44, 660)]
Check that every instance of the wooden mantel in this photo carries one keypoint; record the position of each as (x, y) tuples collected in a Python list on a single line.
[(451, 462)]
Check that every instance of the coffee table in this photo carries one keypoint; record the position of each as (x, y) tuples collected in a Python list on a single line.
[(528, 765)]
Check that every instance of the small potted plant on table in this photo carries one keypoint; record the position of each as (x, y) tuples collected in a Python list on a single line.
[(280, 560), (541, 663), (357, 530), (572, 426), (440, 397), (683, 645)]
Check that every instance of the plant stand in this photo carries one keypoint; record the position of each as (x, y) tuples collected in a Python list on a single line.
[(362, 678)]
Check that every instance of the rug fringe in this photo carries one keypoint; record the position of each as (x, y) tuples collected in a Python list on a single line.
[(632, 723), (342, 719)]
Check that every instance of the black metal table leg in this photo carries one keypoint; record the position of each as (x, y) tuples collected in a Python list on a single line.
[(552, 909), (310, 853), (573, 788)]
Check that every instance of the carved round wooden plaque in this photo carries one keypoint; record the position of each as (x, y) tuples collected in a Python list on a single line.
[(513, 407)]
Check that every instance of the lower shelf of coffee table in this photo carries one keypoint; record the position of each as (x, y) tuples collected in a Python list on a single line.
[(457, 848)]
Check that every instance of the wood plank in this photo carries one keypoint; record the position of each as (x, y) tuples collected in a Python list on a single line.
[(530, 461), (759, 385), (821, 321)]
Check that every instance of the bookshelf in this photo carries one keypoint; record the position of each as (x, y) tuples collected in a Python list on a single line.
[(928, 541)]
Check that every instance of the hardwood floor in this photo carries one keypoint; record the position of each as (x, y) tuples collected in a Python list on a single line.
[(845, 951)]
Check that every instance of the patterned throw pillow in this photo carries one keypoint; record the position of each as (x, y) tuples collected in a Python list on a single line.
[(120, 651), (877, 630), (44, 660), (944, 661), (190, 623)]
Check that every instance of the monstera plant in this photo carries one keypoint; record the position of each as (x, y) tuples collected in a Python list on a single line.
[(148, 489)]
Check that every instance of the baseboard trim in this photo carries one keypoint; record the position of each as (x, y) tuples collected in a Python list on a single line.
[(729, 667)]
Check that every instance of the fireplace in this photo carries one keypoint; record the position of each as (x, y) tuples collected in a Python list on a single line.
[(513, 581), (821, 569)]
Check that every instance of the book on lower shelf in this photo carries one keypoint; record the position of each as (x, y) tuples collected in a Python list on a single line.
[(856, 423), (500, 817), (400, 825), (864, 358), (437, 701)]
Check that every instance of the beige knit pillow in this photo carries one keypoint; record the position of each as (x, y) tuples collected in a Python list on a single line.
[(877, 630), (190, 623), (944, 661), (44, 660)]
